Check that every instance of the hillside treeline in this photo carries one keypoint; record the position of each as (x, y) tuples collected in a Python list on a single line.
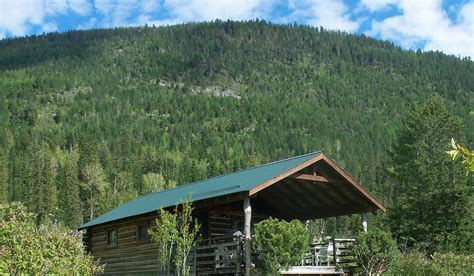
[(91, 119)]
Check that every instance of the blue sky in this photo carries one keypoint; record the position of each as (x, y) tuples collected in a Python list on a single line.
[(447, 26)]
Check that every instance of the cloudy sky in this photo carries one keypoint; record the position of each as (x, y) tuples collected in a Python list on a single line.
[(413, 24)]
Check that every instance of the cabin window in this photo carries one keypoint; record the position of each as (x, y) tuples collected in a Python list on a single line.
[(112, 238), (142, 232)]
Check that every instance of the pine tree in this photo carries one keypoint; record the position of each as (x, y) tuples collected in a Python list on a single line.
[(69, 202), (431, 206), (42, 192)]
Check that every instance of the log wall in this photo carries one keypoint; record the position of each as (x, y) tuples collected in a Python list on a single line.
[(129, 255), (133, 256)]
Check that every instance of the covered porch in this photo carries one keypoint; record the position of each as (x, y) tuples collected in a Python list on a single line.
[(315, 189)]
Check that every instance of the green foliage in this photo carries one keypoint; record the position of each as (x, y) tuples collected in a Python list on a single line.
[(166, 235), (412, 263), (417, 263), (375, 251), (467, 155), (279, 244), (155, 182), (69, 205), (454, 264), (94, 183), (44, 249), (3, 177), (432, 195), (176, 233)]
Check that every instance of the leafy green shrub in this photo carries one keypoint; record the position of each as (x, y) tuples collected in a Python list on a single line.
[(47, 249), (412, 263), (278, 244), (417, 263), (375, 251), (454, 264)]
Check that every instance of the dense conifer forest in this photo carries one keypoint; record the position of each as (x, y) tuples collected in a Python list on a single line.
[(91, 119)]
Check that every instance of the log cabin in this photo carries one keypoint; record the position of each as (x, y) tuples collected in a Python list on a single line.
[(306, 187)]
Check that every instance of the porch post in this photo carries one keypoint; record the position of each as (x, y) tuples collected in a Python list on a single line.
[(247, 233), (363, 218)]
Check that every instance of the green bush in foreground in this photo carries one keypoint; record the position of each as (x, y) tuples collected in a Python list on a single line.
[(454, 264), (377, 254), (47, 249), (412, 263), (417, 263), (278, 244), (375, 251)]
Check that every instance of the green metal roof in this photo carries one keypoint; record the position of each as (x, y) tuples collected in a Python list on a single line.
[(240, 181)]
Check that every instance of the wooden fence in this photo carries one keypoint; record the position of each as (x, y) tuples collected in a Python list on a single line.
[(337, 253), (225, 255), (218, 256)]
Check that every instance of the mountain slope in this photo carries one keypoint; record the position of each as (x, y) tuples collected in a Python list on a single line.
[(195, 100)]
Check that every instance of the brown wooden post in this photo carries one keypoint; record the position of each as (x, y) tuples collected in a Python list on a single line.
[(247, 234), (334, 251)]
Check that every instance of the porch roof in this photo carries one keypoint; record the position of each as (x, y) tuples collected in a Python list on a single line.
[(249, 181), (240, 181)]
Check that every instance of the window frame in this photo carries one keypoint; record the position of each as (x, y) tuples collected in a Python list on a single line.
[(107, 238), (137, 229)]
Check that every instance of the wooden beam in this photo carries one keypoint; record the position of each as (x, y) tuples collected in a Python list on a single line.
[(220, 200), (310, 177), (225, 211), (293, 170)]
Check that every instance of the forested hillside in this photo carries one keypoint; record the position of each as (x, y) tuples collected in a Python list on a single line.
[(90, 119)]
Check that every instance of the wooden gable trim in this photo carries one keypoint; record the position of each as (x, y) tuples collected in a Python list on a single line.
[(310, 177), (354, 183), (293, 172)]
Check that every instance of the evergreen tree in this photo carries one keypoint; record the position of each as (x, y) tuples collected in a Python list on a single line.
[(41, 193), (69, 202), (431, 207)]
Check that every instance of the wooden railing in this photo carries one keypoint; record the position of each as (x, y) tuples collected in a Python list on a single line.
[(225, 255), (217, 255), (337, 252)]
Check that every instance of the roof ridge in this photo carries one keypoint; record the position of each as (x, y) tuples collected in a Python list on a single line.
[(222, 175)]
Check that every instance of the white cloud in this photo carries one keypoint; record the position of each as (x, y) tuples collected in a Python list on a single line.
[(81, 7), (148, 6), (199, 10), (91, 23), (426, 22), (49, 27), (18, 16), (152, 12), (467, 16), (329, 14), (376, 5), (116, 13), (54, 7)]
